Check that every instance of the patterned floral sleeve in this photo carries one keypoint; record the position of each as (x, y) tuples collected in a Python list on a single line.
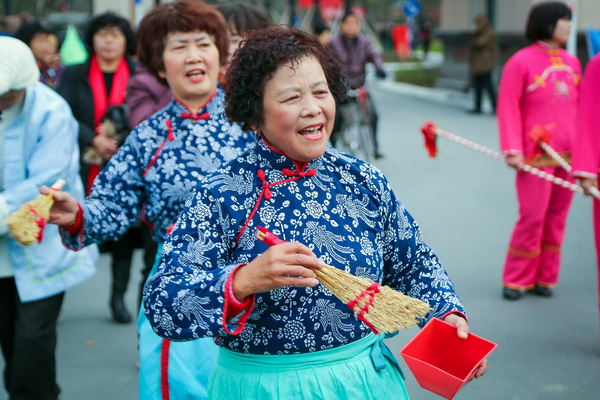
[(185, 299), (116, 199), (411, 266), (345, 211)]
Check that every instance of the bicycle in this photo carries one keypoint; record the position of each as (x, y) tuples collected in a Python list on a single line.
[(356, 135)]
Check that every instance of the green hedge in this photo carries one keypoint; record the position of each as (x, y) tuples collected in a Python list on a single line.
[(419, 76)]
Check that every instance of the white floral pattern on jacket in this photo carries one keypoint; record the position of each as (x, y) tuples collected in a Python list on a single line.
[(346, 213), (155, 171)]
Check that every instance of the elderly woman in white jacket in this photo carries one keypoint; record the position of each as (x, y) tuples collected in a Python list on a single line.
[(38, 145)]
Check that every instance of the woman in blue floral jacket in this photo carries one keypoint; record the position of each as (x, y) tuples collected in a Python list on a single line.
[(162, 160), (281, 334)]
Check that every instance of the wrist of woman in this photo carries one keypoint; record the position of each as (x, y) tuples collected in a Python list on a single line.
[(238, 290), (70, 224), (75, 225)]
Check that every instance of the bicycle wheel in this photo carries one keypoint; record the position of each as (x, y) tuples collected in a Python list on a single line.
[(366, 149), (349, 139)]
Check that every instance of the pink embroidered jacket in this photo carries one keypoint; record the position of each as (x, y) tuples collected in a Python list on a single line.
[(538, 89), (586, 148)]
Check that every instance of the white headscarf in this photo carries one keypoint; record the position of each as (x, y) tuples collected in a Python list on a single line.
[(18, 68)]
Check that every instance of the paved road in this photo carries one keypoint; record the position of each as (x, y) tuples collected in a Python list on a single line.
[(465, 203)]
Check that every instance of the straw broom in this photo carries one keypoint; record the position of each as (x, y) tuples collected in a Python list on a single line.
[(381, 308), (27, 224)]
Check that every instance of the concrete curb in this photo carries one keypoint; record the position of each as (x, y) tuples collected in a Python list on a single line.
[(449, 97)]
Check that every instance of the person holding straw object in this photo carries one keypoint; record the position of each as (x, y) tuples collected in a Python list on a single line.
[(281, 334), (38, 147), (184, 44), (537, 99)]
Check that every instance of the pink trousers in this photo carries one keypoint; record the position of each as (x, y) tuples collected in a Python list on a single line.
[(534, 252)]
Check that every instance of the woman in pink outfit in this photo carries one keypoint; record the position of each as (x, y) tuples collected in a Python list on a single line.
[(538, 97), (586, 149)]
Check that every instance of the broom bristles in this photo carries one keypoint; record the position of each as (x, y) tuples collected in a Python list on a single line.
[(382, 308), (27, 223), (385, 309)]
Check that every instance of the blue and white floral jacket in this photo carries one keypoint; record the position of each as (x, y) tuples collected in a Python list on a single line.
[(156, 169), (340, 207)]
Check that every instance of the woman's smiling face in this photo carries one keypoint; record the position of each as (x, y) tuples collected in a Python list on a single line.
[(298, 110), (191, 61)]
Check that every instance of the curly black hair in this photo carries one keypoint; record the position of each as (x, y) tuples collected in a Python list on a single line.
[(258, 58)]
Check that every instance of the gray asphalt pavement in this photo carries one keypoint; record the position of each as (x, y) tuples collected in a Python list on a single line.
[(548, 348)]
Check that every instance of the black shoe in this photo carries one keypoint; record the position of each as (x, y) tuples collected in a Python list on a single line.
[(543, 291), (377, 155), (474, 111), (511, 294), (119, 311)]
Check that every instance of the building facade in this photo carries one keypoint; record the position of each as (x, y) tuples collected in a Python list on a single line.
[(508, 18)]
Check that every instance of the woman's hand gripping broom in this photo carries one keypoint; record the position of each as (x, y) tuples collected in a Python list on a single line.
[(27, 224), (381, 308)]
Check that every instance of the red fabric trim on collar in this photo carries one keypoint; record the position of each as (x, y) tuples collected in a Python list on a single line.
[(212, 96), (300, 165)]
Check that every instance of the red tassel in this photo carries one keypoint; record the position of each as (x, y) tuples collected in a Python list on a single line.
[(428, 130), (539, 134)]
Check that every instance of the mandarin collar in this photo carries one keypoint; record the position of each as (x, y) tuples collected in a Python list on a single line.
[(271, 158), (182, 113), (545, 47)]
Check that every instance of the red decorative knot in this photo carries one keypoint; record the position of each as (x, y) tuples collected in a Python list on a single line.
[(265, 184), (195, 117), (369, 297), (170, 136), (301, 174)]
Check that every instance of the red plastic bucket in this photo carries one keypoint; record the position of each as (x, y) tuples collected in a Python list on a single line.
[(440, 361)]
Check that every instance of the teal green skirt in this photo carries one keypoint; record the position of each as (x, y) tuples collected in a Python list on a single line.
[(364, 370)]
